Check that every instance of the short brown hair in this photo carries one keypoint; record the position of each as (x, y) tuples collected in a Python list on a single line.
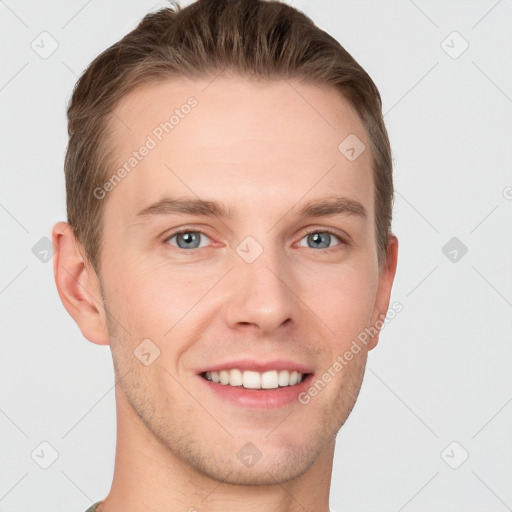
[(257, 38)]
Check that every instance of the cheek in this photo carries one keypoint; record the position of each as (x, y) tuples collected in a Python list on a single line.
[(150, 301), (343, 299)]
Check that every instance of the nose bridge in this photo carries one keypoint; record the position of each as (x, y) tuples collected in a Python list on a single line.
[(260, 294)]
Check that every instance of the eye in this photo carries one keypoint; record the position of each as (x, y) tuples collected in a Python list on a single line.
[(187, 239), (321, 239), (190, 239)]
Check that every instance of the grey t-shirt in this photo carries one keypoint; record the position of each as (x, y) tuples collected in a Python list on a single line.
[(92, 508)]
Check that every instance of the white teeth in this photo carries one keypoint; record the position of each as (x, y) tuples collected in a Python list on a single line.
[(235, 378), (224, 377), (284, 377), (255, 380), (269, 380), (251, 380)]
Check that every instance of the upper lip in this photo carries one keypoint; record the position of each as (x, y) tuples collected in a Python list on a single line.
[(257, 365)]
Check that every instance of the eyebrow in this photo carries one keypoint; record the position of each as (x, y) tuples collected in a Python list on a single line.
[(325, 207)]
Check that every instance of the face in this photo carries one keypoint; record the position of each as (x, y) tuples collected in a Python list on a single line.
[(255, 279)]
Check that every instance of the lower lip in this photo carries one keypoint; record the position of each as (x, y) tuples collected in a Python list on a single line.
[(259, 398)]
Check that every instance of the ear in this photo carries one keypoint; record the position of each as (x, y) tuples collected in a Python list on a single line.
[(78, 285), (386, 278)]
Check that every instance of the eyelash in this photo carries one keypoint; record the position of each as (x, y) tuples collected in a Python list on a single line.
[(309, 232)]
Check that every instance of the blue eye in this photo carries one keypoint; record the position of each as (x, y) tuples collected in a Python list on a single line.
[(190, 239), (187, 239), (320, 239)]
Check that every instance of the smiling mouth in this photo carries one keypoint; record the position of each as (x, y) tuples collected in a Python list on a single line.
[(248, 379)]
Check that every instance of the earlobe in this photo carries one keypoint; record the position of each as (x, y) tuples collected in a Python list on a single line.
[(78, 285), (386, 278)]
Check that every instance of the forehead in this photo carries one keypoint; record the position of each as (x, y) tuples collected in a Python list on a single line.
[(249, 143)]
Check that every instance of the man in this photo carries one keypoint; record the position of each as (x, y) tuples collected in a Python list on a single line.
[(229, 193)]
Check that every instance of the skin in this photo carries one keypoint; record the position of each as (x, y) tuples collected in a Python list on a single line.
[(264, 151)]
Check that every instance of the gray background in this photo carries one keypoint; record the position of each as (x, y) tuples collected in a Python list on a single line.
[(441, 372)]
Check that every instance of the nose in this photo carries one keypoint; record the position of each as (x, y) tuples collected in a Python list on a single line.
[(261, 296)]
